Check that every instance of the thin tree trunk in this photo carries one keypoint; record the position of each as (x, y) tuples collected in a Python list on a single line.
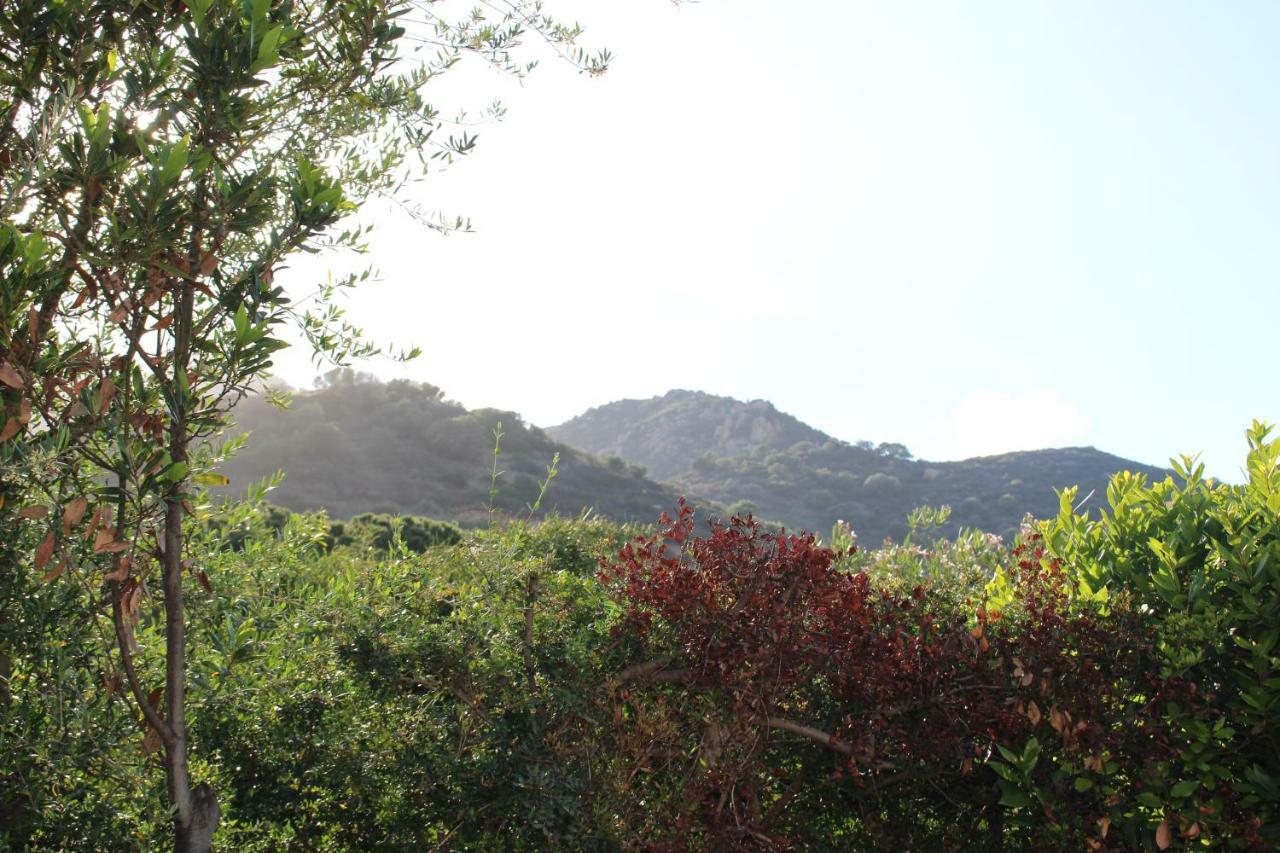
[(197, 811), (197, 808)]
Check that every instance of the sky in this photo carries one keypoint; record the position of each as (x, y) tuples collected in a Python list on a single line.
[(967, 227)]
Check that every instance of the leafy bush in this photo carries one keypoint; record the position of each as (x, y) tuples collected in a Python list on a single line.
[(1105, 684), (1200, 560), (796, 702), (380, 531)]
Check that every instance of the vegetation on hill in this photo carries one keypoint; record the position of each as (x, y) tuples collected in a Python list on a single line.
[(751, 457), (357, 445), (810, 487)]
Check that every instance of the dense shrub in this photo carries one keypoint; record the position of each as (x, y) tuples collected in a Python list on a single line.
[(1103, 684), (381, 532), (797, 703), (1200, 560)]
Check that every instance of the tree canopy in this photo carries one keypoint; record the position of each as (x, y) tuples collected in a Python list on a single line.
[(159, 162)]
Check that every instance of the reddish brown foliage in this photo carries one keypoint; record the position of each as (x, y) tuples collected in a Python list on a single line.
[(777, 684)]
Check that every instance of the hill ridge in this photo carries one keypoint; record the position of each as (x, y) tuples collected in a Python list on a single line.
[(358, 445), (805, 478)]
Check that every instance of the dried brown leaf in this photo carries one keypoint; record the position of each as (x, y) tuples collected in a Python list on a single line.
[(9, 376), (105, 394), (1057, 719), (151, 741), (112, 682), (44, 552), (74, 512), (58, 569), (120, 572)]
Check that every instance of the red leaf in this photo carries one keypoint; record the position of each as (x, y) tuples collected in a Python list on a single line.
[(1164, 835), (9, 430), (33, 512), (204, 581)]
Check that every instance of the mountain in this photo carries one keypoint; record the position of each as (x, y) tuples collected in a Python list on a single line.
[(359, 445), (665, 434), (749, 456)]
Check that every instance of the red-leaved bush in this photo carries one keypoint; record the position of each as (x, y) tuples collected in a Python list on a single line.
[(780, 700)]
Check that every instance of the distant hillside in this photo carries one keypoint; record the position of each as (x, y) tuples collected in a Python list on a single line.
[(665, 434), (400, 447), (812, 481), (363, 446)]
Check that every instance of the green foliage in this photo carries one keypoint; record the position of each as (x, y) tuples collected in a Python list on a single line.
[(489, 693), (384, 532), (1202, 560), (159, 163)]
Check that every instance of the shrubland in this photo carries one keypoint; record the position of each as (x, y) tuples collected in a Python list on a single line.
[(1102, 683)]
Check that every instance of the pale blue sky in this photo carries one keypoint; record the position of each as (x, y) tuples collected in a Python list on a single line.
[(969, 227)]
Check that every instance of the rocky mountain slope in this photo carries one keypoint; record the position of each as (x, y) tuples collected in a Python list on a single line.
[(665, 434)]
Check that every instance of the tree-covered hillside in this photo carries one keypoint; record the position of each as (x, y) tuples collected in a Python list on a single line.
[(358, 445), (750, 456), (811, 487)]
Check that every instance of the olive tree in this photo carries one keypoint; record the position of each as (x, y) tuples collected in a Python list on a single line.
[(159, 161)]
